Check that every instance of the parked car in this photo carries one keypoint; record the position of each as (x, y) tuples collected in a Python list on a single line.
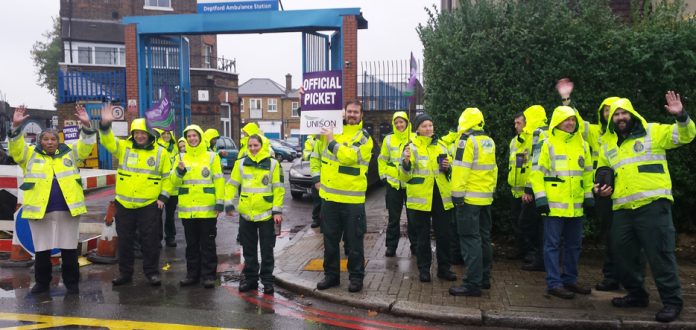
[(295, 142), (228, 152), (282, 152), (301, 178)]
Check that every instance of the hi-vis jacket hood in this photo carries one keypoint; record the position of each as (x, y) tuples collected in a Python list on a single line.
[(406, 134), (251, 129), (201, 147), (139, 124), (181, 139), (600, 119), (560, 114), (161, 142), (535, 117), (625, 104), (263, 153), (209, 135), (471, 118)]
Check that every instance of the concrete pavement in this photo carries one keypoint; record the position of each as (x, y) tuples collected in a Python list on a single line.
[(516, 299)]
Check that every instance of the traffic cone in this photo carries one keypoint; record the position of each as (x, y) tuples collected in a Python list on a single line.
[(19, 257), (108, 241)]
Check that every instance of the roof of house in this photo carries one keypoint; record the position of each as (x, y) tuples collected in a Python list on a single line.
[(265, 86)]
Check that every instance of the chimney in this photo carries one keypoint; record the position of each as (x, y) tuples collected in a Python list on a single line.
[(288, 83)]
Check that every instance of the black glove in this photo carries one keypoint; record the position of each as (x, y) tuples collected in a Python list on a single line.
[(543, 209)]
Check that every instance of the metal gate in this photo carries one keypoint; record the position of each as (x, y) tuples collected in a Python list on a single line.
[(167, 73), (94, 111)]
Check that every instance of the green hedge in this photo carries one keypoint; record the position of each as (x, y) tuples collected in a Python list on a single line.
[(503, 56)]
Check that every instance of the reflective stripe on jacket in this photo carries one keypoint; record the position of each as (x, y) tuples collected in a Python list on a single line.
[(640, 163), (40, 169), (342, 165), (423, 173), (255, 189), (474, 170), (142, 174)]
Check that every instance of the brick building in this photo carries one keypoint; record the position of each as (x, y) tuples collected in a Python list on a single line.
[(94, 61), (271, 105)]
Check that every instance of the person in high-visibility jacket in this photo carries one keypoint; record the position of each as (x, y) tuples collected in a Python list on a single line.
[(142, 189), (166, 140), (201, 185), (561, 181), (425, 168), (523, 149), (181, 143), (341, 163), (388, 163), (316, 199), (256, 190), (474, 176), (247, 131), (642, 197), (456, 258), (53, 195), (603, 211)]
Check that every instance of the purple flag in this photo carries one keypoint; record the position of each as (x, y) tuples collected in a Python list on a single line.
[(412, 79), (160, 114)]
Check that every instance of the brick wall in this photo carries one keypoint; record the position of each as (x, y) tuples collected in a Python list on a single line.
[(350, 58)]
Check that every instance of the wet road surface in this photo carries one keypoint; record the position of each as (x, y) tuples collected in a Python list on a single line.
[(101, 306)]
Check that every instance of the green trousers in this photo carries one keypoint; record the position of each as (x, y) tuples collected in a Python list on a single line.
[(347, 220), (649, 228), (474, 231), (395, 199)]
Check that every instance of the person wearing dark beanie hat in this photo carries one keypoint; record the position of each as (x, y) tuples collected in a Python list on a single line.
[(421, 118)]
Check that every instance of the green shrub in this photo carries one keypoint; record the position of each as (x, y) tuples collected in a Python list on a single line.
[(503, 56)]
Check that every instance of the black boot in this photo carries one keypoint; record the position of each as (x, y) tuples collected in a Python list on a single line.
[(42, 271), (71, 270)]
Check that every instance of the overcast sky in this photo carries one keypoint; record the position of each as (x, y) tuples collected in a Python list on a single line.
[(391, 35)]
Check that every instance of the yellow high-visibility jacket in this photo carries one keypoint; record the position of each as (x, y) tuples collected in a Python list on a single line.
[(40, 168), (390, 154), (341, 165), (143, 171), (562, 178), (423, 172), (640, 168), (201, 186), (256, 187)]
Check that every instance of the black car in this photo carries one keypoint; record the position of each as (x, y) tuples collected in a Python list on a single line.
[(301, 178)]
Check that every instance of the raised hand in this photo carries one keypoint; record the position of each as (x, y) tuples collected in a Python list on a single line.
[(107, 115), (82, 115), (20, 114), (674, 105), (564, 87)]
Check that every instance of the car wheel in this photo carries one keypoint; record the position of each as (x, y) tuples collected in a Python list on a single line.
[(296, 194)]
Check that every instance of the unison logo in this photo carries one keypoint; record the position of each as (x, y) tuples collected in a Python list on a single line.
[(312, 122)]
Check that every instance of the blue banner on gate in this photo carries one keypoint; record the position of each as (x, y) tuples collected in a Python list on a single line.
[(237, 6)]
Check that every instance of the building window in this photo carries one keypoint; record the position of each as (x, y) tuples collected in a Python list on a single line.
[(255, 110), (255, 104), (295, 106), (241, 105), (84, 55), (207, 56), (272, 105), (92, 53), (158, 4)]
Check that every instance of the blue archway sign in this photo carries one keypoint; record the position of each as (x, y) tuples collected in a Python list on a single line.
[(23, 233)]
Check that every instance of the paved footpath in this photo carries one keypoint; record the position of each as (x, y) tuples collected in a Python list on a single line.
[(516, 299)]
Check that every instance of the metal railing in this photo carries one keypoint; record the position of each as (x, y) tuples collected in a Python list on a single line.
[(218, 63), (381, 85), (105, 86)]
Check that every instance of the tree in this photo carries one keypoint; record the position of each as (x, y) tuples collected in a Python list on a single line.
[(46, 55), (503, 56)]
